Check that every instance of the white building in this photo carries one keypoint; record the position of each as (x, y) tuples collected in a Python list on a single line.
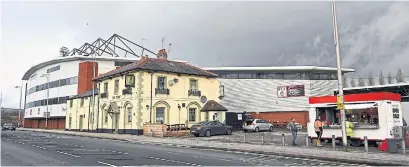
[(274, 93), (63, 82)]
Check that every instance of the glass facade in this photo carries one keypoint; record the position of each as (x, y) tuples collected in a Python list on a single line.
[(51, 101), (53, 84)]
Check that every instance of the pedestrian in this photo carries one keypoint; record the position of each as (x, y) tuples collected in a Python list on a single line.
[(293, 129), (318, 131), (349, 131)]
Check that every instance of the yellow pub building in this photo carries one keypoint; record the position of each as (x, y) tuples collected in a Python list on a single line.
[(149, 91)]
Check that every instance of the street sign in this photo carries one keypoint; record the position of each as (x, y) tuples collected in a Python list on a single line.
[(340, 105)]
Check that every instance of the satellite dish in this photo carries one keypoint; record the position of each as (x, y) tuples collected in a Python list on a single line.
[(171, 82)]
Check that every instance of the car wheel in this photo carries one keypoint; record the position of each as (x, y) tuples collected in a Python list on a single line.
[(228, 131), (356, 143), (196, 135), (245, 130), (207, 133), (257, 129), (271, 129)]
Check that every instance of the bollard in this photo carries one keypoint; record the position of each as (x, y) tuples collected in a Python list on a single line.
[(333, 141), (262, 137), (283, 139), (244, 136), (366, 143), (151, 133), (163, 133), (307, 142)]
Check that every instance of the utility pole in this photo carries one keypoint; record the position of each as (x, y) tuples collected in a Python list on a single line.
[(340, 100), (19, 111)]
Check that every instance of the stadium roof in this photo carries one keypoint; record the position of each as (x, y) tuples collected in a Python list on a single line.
[(400, 88), (278, 68), (34, 68)]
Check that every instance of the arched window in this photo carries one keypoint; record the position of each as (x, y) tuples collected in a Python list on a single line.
[(129, 111)]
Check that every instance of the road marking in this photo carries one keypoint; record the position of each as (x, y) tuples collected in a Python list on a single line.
[(174, 161), (106, 163), (72, 155)]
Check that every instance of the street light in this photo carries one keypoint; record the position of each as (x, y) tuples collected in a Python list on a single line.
[(48, 94), (340, 89), (19, 114)]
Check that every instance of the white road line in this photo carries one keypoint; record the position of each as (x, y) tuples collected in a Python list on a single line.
[(72, 155), (174, 161), (106, 163)]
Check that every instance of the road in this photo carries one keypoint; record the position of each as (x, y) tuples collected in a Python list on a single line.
[(23, 148)]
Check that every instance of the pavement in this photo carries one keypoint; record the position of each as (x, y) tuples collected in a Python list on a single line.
[(28, 148), (260, 149)]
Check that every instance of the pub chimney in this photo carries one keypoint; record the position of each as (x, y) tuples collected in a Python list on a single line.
[(162, 54)]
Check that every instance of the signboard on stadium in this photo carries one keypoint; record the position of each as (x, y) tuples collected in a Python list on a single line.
[(290, 91)]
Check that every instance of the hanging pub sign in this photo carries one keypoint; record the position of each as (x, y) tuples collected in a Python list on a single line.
[(130, 80), (290, 91)]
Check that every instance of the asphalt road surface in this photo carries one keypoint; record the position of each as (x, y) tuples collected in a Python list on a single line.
[(22, 148)]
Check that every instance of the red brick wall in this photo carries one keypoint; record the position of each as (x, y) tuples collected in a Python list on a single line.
[(28, 123), (300, 116), (85, 76)]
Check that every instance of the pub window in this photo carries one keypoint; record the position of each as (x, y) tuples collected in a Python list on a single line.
[(82, 102), (106, 87), (192, 114), (193, 84), (116, 88), (161, 83), (160, 114), (129, 114)]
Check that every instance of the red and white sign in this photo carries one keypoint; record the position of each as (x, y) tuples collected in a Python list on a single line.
[(290, 91)]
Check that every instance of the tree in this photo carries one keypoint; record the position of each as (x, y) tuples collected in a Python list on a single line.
[(371, 80), (361, 81), (64, 51), (352, 84), (381, 79), (344, 81), (390, 78), (399, 76)]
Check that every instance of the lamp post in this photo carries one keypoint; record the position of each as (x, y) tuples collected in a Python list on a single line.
[(340, 89), (48, 94), (19, 111)]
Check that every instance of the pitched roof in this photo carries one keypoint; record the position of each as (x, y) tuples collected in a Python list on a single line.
[(85, 94), (163, 65), (212, 105)]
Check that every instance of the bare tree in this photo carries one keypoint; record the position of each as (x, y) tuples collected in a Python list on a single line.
[(381, 79), (344, 81), (361, 81), (352, 83), (64, 51), (371, 81), (399, 76), (390, 78)]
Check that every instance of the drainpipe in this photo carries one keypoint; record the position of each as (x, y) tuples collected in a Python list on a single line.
[(150, 115), (89, 110), (99, 90)]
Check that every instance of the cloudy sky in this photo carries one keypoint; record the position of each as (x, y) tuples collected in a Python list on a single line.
[(374, 35)]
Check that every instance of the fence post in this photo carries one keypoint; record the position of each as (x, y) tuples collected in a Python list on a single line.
[(333, 141), (307, 142), (366, 143), (262, 137), (283, 139)]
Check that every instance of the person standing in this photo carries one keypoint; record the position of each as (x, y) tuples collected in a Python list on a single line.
[(293, 129), (318, 130), (349, 131)]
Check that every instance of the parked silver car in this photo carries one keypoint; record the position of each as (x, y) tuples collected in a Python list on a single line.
[(257, 125), (210, 128)]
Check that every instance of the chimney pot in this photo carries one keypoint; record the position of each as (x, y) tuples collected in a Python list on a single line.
[(162, 54)]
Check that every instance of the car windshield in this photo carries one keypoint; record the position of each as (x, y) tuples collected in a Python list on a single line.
[(8, 124)]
